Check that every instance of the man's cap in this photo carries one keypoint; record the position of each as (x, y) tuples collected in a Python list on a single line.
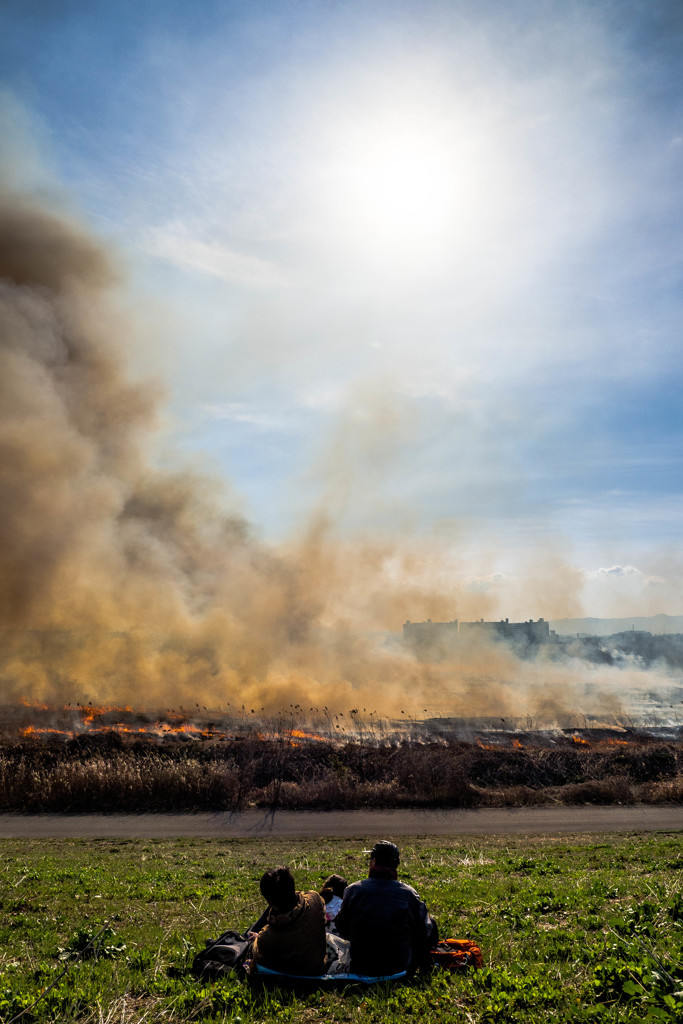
[(385, 853)]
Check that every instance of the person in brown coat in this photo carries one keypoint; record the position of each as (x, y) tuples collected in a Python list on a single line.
[(293, 939)]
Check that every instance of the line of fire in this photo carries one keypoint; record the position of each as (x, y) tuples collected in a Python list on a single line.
[(33, 720), (442, 643)]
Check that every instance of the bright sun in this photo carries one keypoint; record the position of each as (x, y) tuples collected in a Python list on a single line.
[(401, 184), (398, 185)]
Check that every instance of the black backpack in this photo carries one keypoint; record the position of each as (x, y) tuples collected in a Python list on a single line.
[(222, 955)]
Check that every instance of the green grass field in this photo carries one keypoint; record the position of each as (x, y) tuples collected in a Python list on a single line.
[(582, 928)]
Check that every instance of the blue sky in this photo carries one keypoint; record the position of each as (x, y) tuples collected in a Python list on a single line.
[(417, 264)]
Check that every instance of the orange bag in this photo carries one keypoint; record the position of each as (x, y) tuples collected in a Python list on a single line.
[(455, 954)]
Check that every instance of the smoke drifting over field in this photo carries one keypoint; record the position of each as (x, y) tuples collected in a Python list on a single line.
[(122, 582)]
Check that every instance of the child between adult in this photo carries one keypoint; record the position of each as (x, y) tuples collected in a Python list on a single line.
[(338, 955), (332, 893)]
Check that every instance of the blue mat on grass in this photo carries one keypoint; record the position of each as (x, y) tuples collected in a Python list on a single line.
[(259, 971)]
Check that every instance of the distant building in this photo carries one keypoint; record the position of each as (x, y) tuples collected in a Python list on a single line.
[(529, 632), (431, 640), (430, 630), (436, 640)]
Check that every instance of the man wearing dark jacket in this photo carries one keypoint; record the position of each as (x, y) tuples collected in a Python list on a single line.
[(385, 920)]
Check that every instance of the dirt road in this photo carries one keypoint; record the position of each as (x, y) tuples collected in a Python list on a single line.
[(505, 821)]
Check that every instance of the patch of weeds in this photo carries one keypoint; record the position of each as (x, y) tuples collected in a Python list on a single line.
[(91, 943), (675, 908)]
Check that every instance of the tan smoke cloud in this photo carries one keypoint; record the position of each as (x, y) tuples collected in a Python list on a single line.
[(121, 583)]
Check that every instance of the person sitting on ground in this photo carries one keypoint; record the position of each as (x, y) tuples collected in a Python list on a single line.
[(293, 938), (332, 892), (385, 920)]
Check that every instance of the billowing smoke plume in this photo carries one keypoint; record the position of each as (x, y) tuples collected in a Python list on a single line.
[(120, 582)]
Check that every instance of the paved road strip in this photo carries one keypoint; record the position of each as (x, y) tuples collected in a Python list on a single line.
[(293, 824)]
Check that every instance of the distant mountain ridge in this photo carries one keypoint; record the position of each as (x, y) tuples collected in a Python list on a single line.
[(605, 627)]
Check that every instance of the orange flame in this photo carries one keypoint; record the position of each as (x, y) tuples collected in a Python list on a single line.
[(31, 730), (307, 735), (90, 712), (96, 719)]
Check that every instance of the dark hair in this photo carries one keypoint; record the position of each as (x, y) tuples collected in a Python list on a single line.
[(385, 854), (333, 886), (277, 889)]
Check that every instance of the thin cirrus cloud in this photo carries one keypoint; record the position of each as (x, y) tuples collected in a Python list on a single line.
[(250, 416), (177, 246)]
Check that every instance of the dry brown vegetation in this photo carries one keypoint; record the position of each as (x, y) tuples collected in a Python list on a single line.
[(107, 773)]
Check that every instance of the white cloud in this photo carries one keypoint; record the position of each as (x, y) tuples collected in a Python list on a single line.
[(325, 396), (239, 412), (481, 584), (611, 572), (175, 244)]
